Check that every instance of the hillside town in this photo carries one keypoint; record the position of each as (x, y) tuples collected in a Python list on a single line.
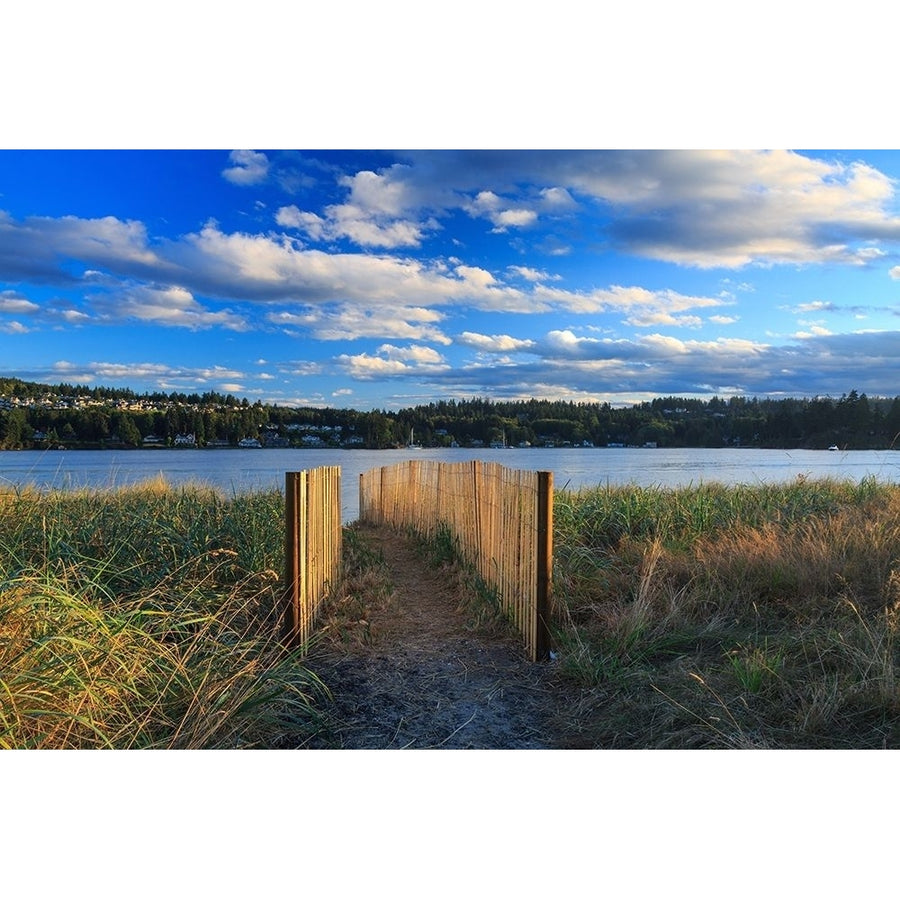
[(36, 416)]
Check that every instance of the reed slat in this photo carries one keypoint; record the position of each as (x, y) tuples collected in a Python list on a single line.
[(500, 520)]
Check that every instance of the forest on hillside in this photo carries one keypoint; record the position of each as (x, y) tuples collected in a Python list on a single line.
[(71, 416)]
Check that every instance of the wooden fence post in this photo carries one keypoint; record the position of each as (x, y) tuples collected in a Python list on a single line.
[(312, 547), (544, 563)]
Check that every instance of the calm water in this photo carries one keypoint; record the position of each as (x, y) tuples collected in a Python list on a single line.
[(239, 471)]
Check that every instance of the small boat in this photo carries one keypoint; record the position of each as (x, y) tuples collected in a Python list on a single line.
[(834, 447), (412, 445)]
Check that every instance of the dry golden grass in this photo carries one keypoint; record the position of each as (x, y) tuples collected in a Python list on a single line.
[(765, 633)]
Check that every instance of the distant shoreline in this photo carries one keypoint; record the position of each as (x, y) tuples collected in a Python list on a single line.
[(158, 448)]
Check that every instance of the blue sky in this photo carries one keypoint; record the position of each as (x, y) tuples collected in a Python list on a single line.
[(387, 279), (376, 278)]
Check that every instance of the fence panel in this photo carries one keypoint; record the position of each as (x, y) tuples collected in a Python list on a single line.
[(312, 548), (500, 518)]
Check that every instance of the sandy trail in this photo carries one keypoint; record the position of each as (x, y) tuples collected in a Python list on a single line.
[(428, 679)]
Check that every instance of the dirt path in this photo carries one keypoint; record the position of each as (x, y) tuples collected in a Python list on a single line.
[(428, 679)]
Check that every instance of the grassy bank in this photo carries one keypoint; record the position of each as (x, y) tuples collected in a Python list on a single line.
[(761, 617), (753, 617), (146, 617)]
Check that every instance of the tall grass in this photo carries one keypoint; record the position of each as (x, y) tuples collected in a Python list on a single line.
[(766, 616), (750, 616), (146, 617)]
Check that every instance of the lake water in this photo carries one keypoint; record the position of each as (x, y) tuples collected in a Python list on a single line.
[(240, 471)]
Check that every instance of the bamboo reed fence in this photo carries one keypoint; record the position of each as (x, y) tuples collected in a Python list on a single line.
[(500, 518), (312, 547)]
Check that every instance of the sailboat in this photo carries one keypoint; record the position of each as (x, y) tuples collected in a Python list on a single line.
[(412, 445), (501, 444)]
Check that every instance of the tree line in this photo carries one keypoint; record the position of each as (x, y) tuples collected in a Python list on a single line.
[(64, 415)]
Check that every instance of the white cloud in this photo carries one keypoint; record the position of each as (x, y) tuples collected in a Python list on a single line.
[(382, 210), (557, 200), (815, 306), (387, 194), (496, 343), (501, 213), (69, 316), (248, 168), (660, 317), (13, 303), (159, 374), (627, 300), (292, 217), (413, 353), (303, 368), (698, 208), (563, 343), (513, 218), (262, 267), (350, 322), (37, 247), (364, 366), (814, 331), (394, 361), (271, 268), (702, 208), (731, 208), (663, 344), (370, 233), (170, 306), (475, 275), (564, 365), (530, 274)]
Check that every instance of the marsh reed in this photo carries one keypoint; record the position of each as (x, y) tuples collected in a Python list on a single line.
[(146, 617)]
